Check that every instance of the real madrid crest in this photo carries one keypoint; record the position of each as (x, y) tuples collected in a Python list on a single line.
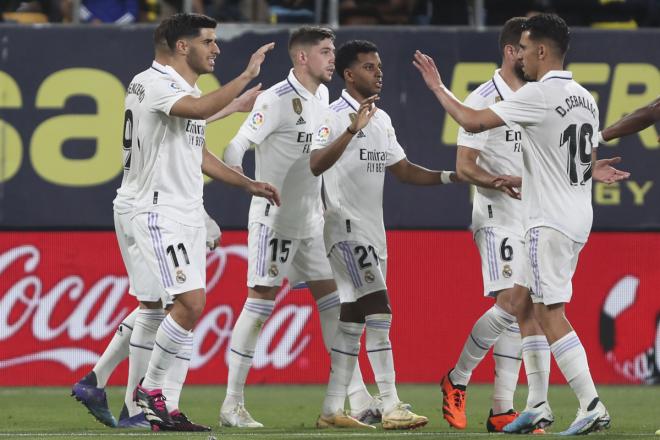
[(352, 116), (369, 276), (273, 271), (180, 276), (507, 271), (498, 98), (297, 105)]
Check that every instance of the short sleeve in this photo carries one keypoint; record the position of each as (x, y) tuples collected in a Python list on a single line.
[(328, 130), (525, 107), (395, 152), (164, 93), (478, 141), (263, 120)]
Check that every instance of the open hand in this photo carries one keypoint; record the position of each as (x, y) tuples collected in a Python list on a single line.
[(429, 71), (265, 190), (245, 102), (257, 58), (605, 172), (510, 185), (364, 113)]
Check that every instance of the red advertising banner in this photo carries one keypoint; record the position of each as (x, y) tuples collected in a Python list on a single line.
[(62, 295)]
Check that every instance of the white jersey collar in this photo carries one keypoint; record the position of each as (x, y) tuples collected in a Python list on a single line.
[(501, 86), (180, 81), (300, 89), (158, 67), (558, 74), (350, 100)]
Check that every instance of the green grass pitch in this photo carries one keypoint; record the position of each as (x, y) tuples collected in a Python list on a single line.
[(290, 411)]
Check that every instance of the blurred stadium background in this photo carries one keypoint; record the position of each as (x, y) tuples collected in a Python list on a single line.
[(62, 282)]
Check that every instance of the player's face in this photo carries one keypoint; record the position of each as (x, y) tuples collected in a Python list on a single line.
[(367, 74), (527, 55), (518, 68), (203, 50), (321, 60)]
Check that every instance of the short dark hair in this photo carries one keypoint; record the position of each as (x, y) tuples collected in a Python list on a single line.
[(181, 26), (551, 27), (310, 35), (348, 52), (510, 33)]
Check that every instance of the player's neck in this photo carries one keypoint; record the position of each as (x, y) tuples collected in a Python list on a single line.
[(512, 80), (186, 72), (355, 94), (308, 82), (547, 67)]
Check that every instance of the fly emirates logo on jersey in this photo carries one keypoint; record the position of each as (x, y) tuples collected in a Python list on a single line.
[(195, 133), (374, 160), (58, 317)]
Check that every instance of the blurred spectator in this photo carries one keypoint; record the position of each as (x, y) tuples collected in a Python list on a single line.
[(292, 11), (103, 11), (33, 11), (365, 12)]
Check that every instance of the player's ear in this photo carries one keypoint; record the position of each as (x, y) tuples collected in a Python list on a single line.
[(181, 46), (542, 51)]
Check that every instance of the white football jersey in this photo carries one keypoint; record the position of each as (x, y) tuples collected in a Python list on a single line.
[(125, 199), (169, 180), (559, 120), (500, 152), (353, 186), (281, 126)]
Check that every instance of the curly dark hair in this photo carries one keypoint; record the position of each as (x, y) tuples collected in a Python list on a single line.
[(348, 52), (551, 27)]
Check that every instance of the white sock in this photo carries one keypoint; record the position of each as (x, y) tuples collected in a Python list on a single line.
[(358, 394), (483, 336), (507, 353), (379, 350), (116, 351), (329, 307), (176, 376), (169, 340), (536, 355), (146, 325), (572, 361), (343, 358), (244, 339)]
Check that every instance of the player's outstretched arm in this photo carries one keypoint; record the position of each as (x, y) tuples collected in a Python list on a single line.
[(474, 121), (408, 172), (469, 171), (210, 104), (603, 171), (632, 123), (322, 159), (243, 103), (218, 170)]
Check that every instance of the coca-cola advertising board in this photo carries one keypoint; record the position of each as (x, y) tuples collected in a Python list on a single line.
[(62, 295)]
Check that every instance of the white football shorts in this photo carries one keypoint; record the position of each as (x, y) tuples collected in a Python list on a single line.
[(502, 259), (141, 282), (273, 257), (552, 258), (357, 269), (175, 253)]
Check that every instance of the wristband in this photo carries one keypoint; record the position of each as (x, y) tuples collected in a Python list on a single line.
[(445, 177), (348, 129)]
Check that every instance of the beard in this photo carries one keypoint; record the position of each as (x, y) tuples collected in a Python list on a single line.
[(520, 73)]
